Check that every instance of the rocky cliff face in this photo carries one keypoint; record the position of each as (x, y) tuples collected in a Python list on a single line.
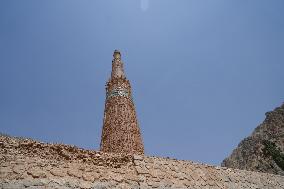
[(29, 164), (251, 154)]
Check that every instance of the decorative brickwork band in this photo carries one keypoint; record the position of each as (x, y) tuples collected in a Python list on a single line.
[(121, 133)]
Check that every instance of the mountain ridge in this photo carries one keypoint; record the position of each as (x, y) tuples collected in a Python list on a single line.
[(252, 152)]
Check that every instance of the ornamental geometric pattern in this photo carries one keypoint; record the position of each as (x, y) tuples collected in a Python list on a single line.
[(118, 92), (121, 132)]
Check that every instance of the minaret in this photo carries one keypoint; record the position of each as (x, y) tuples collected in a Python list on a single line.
[(121, 133)]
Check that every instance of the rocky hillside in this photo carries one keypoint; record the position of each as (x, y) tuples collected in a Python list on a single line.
[(25, 163), (263, 150)]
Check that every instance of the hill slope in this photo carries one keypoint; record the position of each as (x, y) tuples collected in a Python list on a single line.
[(263, 150)]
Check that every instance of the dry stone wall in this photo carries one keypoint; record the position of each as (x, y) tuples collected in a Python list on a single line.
[(26, 163)]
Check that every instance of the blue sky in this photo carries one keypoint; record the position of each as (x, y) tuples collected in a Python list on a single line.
[(203, 72)]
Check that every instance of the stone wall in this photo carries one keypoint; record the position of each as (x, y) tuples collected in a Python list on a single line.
[(26, 163)]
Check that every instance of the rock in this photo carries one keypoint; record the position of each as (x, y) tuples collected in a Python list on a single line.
[(9, 185), (58, 172), (153, 184), (5, 172), (122, 186), (249, 153), (154, 173), (19, 169), (36, 173), (137, 157), (118, 178), (74, 173), (142, 170), (90, 176), (86, 185)]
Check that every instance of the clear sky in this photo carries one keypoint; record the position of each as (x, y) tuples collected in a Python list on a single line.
[(203, 72)]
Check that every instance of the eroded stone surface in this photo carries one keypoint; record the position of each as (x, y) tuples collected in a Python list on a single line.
[(25, 163), (249, 153)]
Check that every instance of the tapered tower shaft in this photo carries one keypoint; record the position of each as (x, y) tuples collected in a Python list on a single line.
[(121, 133)]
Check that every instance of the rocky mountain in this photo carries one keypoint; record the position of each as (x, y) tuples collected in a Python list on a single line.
[(263, 150)]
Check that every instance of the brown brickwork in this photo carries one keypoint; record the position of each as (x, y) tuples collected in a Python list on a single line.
[(121, 133)]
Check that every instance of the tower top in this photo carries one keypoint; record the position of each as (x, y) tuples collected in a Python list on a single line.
[(117, 66), (116, 54)]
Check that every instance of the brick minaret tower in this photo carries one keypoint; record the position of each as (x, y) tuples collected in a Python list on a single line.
[(121, 133)]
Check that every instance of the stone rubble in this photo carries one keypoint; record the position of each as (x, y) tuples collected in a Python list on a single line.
[(25, 163)]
